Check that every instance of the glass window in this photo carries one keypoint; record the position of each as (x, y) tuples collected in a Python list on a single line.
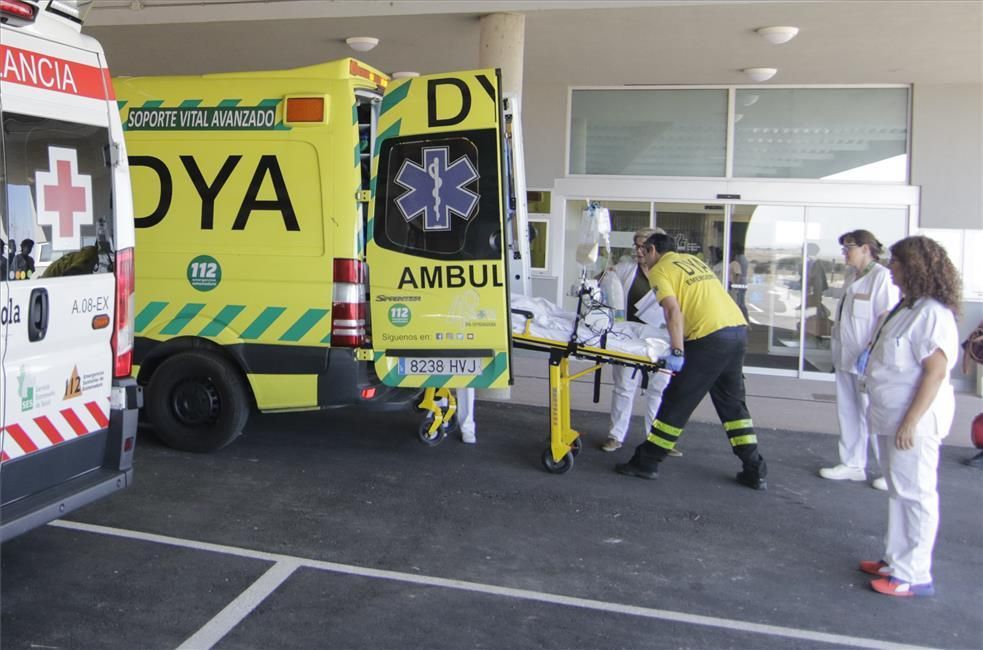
[(538, 201), (438, 196), (538, 244), (854, 134), (827, 274), (626, 218), (770, 238), (648, 132), (58, 211), (698, 229)]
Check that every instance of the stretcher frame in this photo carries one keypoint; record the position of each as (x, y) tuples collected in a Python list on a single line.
[(440, 405), (565, 442)]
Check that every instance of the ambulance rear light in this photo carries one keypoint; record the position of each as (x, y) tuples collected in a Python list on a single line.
[(347, 294), (122, 342), (17, 9), (305, 109), (368, 393), (349, 271), (348, 325), (348, 304)]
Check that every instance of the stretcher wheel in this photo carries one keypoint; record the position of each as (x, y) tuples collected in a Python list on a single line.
[(553, 467), (576, 446), (426, 437)]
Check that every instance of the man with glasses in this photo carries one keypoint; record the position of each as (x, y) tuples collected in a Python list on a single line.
[(702, 317)]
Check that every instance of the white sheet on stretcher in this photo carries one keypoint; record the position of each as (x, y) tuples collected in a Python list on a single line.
[(551, 322)]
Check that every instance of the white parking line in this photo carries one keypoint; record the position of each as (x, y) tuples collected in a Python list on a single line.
[(223, 623), (238, 609)]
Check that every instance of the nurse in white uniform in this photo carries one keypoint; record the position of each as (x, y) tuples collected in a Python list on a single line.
[(634, 278), (912, 404), (868, 297), (465, 414)]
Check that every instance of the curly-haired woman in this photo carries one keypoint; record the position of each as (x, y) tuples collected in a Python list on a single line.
[(906, 375)]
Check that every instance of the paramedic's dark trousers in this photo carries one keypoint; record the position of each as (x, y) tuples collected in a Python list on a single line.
[(714, 363)]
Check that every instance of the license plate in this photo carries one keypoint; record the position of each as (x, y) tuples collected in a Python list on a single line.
[(441, 366)]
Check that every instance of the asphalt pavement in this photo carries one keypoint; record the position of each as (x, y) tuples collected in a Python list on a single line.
[(341, 530)]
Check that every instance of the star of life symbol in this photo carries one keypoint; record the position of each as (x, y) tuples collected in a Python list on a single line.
[(436, 189), (64, 198)]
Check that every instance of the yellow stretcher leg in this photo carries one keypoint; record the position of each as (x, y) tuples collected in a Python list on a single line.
[(437, 420), (564, 440)]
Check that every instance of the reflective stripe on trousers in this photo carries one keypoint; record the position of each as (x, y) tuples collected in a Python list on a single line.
[(714, 364)]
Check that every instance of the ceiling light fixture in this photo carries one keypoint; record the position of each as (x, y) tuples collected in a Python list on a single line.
[(404, 74), (362, 43), (760, 74), (778, 34), (136, 5)]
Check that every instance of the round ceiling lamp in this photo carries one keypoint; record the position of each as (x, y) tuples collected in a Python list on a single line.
[(362, 43), (760, 74), (778, 34)]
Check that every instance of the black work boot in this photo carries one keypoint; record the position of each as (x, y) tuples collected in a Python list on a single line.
[(631, 469), (753, 475), (636, 468)]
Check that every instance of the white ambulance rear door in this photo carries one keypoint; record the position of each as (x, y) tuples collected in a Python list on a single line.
[(59, 296)]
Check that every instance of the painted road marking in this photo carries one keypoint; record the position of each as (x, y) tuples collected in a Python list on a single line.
[(233, 613), (229, 617)]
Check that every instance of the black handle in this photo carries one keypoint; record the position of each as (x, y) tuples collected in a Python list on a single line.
[(37, 315)]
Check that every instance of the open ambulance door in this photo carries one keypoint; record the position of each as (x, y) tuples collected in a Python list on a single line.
[(435, 248)]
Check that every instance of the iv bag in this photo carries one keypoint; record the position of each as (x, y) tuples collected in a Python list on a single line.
[(595, 231)]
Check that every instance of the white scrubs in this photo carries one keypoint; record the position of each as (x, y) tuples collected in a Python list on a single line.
[(627, 380), (864, 301), (892, 377), (465, 411)]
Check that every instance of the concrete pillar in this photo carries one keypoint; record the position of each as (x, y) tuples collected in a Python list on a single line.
[(503, 38)]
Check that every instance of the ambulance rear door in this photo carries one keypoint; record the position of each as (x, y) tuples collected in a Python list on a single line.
[(438, 273), (58, 301)]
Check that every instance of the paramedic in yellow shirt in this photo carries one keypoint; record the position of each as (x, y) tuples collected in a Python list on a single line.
[(708, 334)]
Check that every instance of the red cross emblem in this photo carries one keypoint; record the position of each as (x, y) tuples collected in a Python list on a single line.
[(64, 198)]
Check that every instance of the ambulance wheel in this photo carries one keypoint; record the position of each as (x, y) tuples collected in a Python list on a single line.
[(197, 401), (553, 467), (431, 439)]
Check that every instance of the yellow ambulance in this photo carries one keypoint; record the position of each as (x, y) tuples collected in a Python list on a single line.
[(313, 238)]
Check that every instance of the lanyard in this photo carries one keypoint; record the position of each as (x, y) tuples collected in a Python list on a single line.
[(880, 329)]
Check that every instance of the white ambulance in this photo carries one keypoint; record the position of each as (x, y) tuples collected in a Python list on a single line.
[(68, 414)]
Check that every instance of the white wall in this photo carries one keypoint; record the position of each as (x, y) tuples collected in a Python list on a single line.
[(947, 154)]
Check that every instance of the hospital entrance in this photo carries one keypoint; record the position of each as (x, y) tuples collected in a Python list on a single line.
[(778, 256)]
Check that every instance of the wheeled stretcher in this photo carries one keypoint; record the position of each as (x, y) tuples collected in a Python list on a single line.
[(540, 326), (565, 441)]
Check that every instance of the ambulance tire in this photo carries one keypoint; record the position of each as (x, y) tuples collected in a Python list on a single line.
[(197, 401)]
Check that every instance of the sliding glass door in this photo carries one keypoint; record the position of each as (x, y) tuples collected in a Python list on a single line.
[(796, 275), (770, 239), (829, 275)]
